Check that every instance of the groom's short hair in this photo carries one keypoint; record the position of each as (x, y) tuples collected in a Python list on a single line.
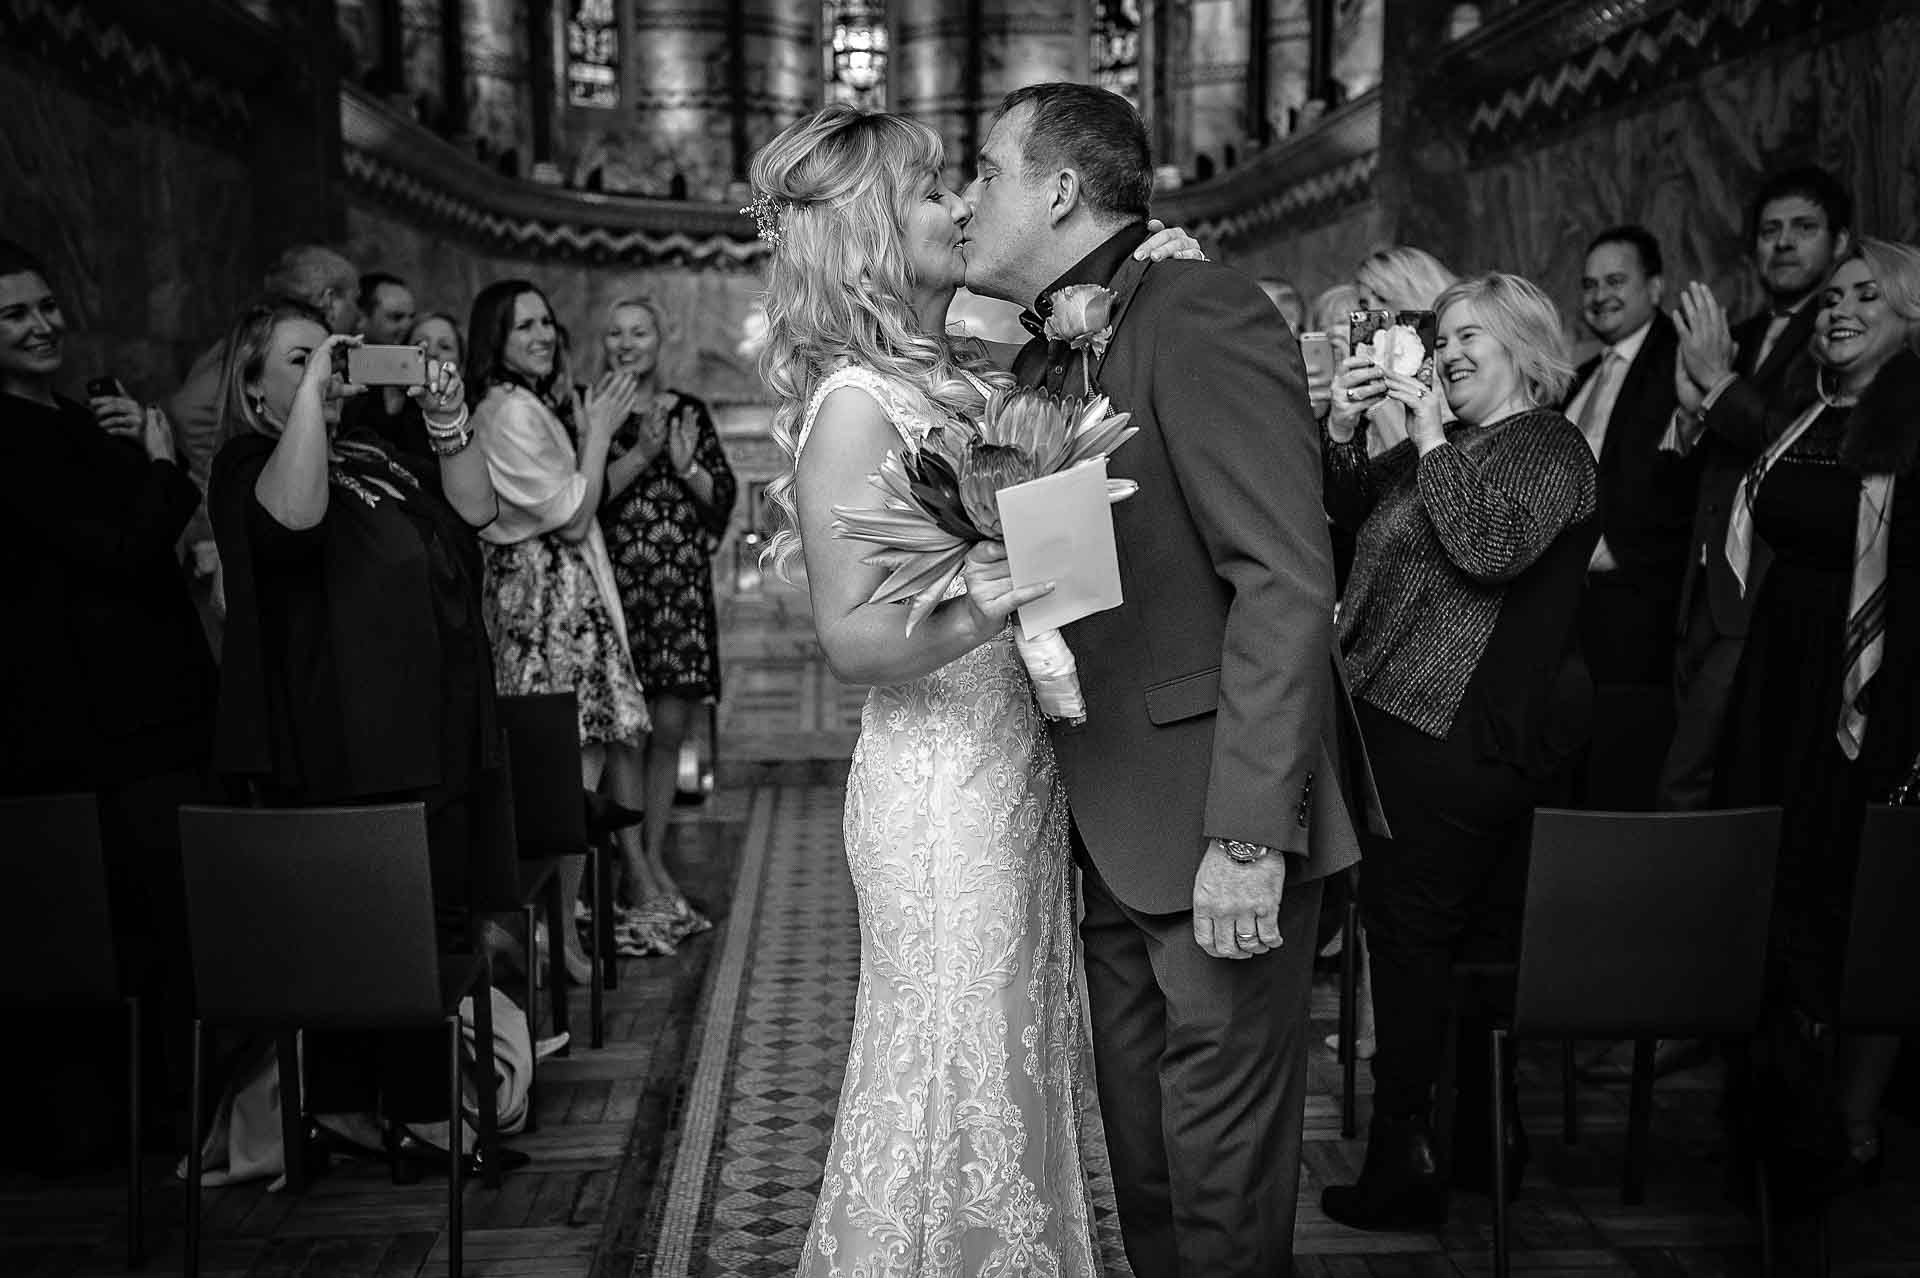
[(1094, 132)]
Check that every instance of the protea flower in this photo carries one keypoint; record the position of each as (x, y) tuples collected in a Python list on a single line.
[(944, 496)]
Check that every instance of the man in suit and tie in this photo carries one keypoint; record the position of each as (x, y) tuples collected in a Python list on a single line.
[(1623, 401), (1210, 784), (1800, 224)]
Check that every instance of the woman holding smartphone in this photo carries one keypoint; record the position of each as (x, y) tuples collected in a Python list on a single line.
[(356, 667), (1457, 625)]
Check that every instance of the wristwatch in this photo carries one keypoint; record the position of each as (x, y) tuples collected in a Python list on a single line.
[(1245, 853)]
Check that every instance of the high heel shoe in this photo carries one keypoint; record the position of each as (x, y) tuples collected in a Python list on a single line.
[(411, 1159), (1399, 1187), (1869, 1157), (579, 969)]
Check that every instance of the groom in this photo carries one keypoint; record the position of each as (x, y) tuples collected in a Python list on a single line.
[(1208, 784)]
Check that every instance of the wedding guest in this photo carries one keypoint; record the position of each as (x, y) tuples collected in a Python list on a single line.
[(1402, 278), (439, 335), (553, 610), (1332, 315), (669, 494), (1799, 224), (356, 668), (1623, 401), (1458, 628), (1825, 713), (1287, 300), (309, 273), (386, 319), (106, 684)]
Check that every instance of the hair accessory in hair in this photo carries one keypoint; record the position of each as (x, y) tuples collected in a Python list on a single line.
[(768, 214)]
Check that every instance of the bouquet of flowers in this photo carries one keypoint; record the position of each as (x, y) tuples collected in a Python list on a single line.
[(944, 497)]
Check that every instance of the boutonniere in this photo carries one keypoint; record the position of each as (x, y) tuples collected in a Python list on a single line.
[(1081, 315)]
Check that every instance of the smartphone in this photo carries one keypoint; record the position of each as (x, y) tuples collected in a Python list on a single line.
[(386, 366), (1316, 352), (1398, 340), (104, 388)]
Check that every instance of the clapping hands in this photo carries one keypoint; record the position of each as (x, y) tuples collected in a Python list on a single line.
[(608, 402)]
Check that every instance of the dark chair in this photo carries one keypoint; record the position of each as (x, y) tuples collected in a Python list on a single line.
[(550, 820), (1878, 994), (505, 882), (51, 855), (1637, 926), (322, 918)]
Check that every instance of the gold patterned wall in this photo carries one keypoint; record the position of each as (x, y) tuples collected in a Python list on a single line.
[(1511, 149)]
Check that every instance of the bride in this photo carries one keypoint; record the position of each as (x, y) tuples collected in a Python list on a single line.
[(958, 1147)]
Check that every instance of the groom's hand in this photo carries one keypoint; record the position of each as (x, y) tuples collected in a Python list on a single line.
[(1236, 907)]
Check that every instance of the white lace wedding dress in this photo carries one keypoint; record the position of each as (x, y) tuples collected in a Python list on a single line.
[(958, 1146)]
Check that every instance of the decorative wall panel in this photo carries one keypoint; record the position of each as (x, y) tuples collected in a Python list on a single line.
[(1685, 162), (75, 174), (421, 62)]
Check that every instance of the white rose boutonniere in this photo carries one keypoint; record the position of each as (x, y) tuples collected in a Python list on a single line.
[(1081, 315)]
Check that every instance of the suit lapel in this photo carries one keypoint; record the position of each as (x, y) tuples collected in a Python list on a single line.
[(1126, 286), (1793, 340)]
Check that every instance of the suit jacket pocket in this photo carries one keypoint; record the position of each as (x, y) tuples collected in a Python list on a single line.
[(1184, 698)]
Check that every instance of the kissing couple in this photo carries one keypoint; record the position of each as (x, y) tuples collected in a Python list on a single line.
[(1203, 802)]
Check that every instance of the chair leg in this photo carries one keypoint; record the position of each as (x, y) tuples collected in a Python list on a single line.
[(597, 960), (486, 1089), (196, 1119), (456, 1156), (1763, 1192), (1502, 1261), (293, 1131), (1445, 1092), (1569, 1094), (533, 1030), (136, 1215), (558, 917), (1349, 1015), (1633, 1184), (603, 906)]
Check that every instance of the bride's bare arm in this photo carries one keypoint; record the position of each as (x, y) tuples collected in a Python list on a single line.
[(867, 643)]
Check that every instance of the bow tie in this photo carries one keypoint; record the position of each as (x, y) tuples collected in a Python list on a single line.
[(1034, 319)]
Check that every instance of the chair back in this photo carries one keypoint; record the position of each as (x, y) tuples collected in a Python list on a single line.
[(56, 873), (1640, 925), (1878, 989), (543, 736), (311, 916), (493, 866)]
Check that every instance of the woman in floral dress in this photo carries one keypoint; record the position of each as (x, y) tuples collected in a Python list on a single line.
[(669, 493), (552, 611)]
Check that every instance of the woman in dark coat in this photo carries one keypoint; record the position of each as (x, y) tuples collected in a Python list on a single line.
[(1826, 712), (356, 667)]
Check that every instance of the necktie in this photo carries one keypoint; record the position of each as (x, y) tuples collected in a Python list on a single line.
[(1866, 638), (1599, 405), (1775, 326)]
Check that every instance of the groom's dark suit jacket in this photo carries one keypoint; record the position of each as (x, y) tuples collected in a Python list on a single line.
[(1216, 704)]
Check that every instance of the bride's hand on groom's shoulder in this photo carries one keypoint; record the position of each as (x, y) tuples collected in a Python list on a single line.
[(1165, 241), (991, 595)]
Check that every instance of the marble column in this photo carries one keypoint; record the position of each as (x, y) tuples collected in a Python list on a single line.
[(1421, 181), (954, 60), (1214, 79), (1289, 55), (779, 58), (499, 117)]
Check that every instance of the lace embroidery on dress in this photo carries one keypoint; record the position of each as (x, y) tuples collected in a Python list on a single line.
[(958, 1148)]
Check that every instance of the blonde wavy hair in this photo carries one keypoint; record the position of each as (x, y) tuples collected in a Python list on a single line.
[(1896, 269), (841, 183), (1403, 278), (1523, 319)]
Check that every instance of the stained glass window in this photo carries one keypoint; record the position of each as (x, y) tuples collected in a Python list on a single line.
[(1116, 47), (593, 53), (855, 45)]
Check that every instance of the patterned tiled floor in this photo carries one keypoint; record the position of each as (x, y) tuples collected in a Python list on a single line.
[(753, 1131)]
